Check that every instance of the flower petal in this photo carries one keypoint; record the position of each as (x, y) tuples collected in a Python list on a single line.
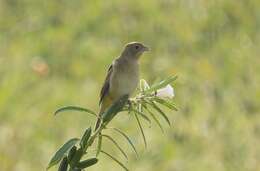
[(166, 92)]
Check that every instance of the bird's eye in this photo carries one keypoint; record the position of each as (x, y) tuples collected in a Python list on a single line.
[(136, 47)]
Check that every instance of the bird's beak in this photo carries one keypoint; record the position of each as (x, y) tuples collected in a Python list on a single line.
[(145, 48)]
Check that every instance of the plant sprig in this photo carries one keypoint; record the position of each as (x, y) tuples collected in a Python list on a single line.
[(71, 153)]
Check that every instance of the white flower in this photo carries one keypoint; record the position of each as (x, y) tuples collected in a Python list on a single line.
[(166, 92)]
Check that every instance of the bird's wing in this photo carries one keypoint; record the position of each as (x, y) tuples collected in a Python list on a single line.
[(106, 85)]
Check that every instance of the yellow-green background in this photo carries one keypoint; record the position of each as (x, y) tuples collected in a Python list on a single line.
[(55, 53)]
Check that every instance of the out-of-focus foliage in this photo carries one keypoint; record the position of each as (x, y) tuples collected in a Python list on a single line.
[(55, 53)]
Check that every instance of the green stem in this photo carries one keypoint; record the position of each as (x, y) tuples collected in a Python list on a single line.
[(81, 152)]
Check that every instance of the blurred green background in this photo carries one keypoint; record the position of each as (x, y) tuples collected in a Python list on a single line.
[(56, 53)]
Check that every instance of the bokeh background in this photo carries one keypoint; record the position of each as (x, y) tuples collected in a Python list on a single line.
[(56, 53)]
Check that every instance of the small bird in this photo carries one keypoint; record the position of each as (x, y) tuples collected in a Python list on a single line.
[(122, 76)]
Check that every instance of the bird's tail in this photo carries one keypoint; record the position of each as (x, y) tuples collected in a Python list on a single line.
[(104, 105)]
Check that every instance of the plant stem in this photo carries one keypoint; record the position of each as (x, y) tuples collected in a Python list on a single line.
[(81, 152)]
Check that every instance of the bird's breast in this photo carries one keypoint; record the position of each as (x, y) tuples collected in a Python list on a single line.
[(124, 79)]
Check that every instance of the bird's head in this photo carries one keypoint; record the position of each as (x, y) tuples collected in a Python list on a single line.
[(134, 50)]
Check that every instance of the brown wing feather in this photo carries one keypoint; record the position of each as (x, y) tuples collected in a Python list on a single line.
[(105, 88)]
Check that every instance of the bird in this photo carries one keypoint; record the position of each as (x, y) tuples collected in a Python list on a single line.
[(122, 77)]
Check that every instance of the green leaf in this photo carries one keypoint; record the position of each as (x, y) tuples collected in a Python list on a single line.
[(76, 158), (144, 85), (127, 138), (154, 118), (142, 115), (87, 163), (141, 129), (62, 152), (85, 138), (161, 84), (109, 114), (166, 103), (63, 165), (121, 164), (116, 144), (99, 144), (72, 152), (161, 112), (74, 108)]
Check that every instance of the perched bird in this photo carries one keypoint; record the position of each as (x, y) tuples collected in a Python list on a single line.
[(122, 76)]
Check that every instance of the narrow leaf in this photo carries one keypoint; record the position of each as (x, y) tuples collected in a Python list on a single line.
[(154, 118), (166, 103), (142, 115), (116, 144), (74, 108), (85, 137), (72, 152), (63, 165), (76, 158), (161, 84), (127, 138), (87, 163), (144, 85), (121, 164), (99, 144), (161, 112), (140, 107), (62, 152), (75, 169), (141, 129)]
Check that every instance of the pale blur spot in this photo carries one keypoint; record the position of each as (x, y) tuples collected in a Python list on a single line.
[(39, 66)]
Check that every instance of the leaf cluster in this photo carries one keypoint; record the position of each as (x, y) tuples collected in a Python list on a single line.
[(146, 106)]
